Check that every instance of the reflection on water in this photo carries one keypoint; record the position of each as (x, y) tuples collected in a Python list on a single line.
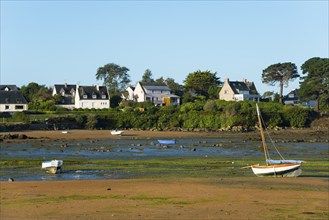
[(130, 149)]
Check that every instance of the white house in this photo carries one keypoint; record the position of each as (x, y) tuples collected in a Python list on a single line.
[(89, 97), (130, 93), (238, 91), (159, 95), (11, 99), (67, 93)]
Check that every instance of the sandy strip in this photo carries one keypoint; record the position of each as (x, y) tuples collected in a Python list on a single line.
[(133, 134)]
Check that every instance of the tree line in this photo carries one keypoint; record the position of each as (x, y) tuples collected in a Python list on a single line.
[(200, 114), (206, 84)]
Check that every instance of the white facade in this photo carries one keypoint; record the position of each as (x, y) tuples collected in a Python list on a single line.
[(238, 91), (11, 99), (159, 95), (88, 97)]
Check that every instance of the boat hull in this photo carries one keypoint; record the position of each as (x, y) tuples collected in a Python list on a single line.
[(277, 170), (52, 166), (115, 132), (167, 141)]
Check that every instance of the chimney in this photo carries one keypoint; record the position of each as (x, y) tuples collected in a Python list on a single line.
[(97, 87), (65, 85)]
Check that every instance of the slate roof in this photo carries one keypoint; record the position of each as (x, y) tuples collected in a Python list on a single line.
[(238, 86), (12, 97), (91, 91), (66, 87), (155, 87), (293, 95), (10, 87)]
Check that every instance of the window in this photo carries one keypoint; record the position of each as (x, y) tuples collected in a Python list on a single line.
[(103, 96), (7, 107), (94, 96), (85, 96), (226, 91), (19, 107)]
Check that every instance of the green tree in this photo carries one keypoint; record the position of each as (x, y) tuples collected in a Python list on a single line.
[(115, 77), (35, 91), (147, 77), (160, 81), (315, 85), (174, 87), (200, 82), (282, 73)]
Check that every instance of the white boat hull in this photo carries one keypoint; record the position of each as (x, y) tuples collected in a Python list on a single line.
[(277, 170), (114, 132), (52, 166)]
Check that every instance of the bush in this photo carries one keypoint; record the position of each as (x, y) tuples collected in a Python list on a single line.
[(20, 117), (297, 117)]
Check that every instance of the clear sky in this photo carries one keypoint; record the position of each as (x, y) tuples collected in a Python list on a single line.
[(53, 42)]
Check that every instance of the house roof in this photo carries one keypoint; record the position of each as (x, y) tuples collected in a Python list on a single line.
[(11, 97), (9, 88), (238, 86), (91, 91), (155, 87), (66, 87), (292, 95)]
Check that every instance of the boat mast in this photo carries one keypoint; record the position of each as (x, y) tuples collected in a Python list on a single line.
[(262, 133)]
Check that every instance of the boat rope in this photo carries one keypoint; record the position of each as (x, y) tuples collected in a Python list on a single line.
[(273, 144)]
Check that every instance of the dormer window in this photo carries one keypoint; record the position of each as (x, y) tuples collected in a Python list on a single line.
[(94, 96), (85, 96), (103, 96), (63, 93)]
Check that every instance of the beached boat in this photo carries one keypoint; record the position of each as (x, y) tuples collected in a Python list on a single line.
[(52, 166), (167, 142), (275, 168), (116, 132)]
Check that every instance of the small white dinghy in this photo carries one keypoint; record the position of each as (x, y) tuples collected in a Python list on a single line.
[(53, 166), (116, 132)]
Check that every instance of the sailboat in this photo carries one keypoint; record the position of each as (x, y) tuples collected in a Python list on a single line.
[(275, 168)]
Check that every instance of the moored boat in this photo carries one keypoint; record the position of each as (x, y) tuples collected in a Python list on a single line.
[(173, 141), (52, 166), (116, 132), (275, 168)]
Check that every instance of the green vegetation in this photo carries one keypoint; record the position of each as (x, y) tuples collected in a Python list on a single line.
[(166, 168), (200, 114)]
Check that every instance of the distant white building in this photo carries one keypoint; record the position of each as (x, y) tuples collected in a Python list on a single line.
[(86, 97), (67, 93), (159, 95), (238, 91), (130, 93), (11, 99)]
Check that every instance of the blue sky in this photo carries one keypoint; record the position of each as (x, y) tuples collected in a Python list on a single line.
[(53, 42)]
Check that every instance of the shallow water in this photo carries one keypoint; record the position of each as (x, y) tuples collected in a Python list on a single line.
[(129, 149)]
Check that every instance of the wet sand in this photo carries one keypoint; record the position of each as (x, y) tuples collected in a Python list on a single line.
[(170, 198), (174, 198), (137, 134)]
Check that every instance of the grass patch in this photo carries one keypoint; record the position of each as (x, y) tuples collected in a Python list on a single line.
[(170, 167)]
